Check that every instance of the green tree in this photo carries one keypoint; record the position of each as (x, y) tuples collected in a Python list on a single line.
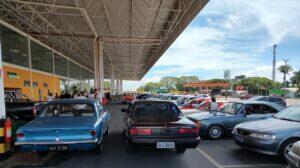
[(151, 87), (256, 85), (168, 83), (296, 78), (285, 69), (185, 79)]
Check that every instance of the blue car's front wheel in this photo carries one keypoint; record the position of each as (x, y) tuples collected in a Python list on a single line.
[(215, 132)]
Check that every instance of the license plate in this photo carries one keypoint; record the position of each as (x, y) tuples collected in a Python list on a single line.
[(240, 139), (58, 148), (165, 145)]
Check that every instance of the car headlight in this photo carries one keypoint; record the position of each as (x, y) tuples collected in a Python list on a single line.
[(234, 131), (262, 136)]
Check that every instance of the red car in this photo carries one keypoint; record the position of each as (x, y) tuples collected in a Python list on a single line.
[(127, 98), (193, 103)]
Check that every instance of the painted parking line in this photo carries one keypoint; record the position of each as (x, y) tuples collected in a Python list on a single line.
[(218, 165), (209, 158)]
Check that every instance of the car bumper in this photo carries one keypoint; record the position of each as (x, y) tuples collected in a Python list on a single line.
[(44, 145), (268, 147), (184, 143), (293, 160)]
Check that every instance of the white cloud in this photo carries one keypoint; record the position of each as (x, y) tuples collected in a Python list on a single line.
[(235, 35)]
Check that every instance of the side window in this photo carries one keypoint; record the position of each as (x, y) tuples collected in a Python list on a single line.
[(263, 99), (173, 108), (268, 109), (253, 109)]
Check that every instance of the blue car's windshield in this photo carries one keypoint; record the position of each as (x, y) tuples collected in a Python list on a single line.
[(231, 108), (291, 113), (68, 110)]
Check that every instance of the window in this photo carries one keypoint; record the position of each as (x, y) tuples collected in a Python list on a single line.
[(61, 65), (69, 110), (155, 112), (7, 97), (26, 83), (12, 75), (41, 58), (232, 108), (19, 96), (14, 47), (268, 109), (35, 84), (74, 71), (45, 85)]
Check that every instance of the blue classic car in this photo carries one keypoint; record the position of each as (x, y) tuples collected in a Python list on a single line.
[(74, 124), (215, 125)]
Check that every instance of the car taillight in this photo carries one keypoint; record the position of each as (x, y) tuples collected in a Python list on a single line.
[(93, 132), (140, 131), (194, 130), (34, 111), (20, 135)]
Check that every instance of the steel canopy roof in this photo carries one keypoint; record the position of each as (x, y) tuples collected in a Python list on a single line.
[(135, 33)]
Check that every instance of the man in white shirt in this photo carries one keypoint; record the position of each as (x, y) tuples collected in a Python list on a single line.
[(213, 106)]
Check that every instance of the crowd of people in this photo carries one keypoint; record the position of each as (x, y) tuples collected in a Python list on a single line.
[(93, 94)]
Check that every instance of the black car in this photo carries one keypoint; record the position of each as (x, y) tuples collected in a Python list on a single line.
[(19, 106), (158, 124), (271, 99), (143, 96)]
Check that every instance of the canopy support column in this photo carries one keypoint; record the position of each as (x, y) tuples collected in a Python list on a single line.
[(112, 78), (98, 65), (2, 100)]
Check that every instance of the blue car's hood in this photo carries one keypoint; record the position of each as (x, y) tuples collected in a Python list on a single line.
[(207, 115), (268, 124), (60, 122)]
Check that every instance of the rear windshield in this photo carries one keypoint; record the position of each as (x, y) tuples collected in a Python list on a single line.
[(68, 110), (155, 112)]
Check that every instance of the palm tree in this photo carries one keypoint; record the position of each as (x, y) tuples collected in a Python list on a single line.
[(285, 69)]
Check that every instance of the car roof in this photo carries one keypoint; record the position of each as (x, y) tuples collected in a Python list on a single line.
[(151, 101), (72, 101)]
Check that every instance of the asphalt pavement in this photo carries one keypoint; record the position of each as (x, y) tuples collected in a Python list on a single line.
[(209, 154)]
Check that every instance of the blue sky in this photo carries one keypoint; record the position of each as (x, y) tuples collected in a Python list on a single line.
[(236, 35)]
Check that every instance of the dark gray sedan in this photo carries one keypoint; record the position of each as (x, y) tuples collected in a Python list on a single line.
[(216, 125), (272, 136)]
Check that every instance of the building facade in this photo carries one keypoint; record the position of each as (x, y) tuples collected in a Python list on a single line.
[(36, 70)]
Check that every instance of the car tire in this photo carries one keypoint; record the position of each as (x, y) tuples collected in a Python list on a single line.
[(106, 131), (99, 148), (215, 132), (180, 150), (284, 148)]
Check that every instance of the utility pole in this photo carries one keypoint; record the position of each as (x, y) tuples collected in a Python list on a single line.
[(274, 63)]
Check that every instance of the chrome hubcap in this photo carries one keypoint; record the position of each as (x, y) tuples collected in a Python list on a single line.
[(215, 132)]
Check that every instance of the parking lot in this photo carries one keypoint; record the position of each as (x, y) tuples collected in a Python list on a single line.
[(209, 154)]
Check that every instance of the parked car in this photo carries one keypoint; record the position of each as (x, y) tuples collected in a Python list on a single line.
[(127, 98), (192, 104), (272, 99), (293, 156), (143, 96), (73, 124), (19, 106), (183, 100), (245, 96), (158, 124), (272, 136), (219, 124), (200, 108)]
